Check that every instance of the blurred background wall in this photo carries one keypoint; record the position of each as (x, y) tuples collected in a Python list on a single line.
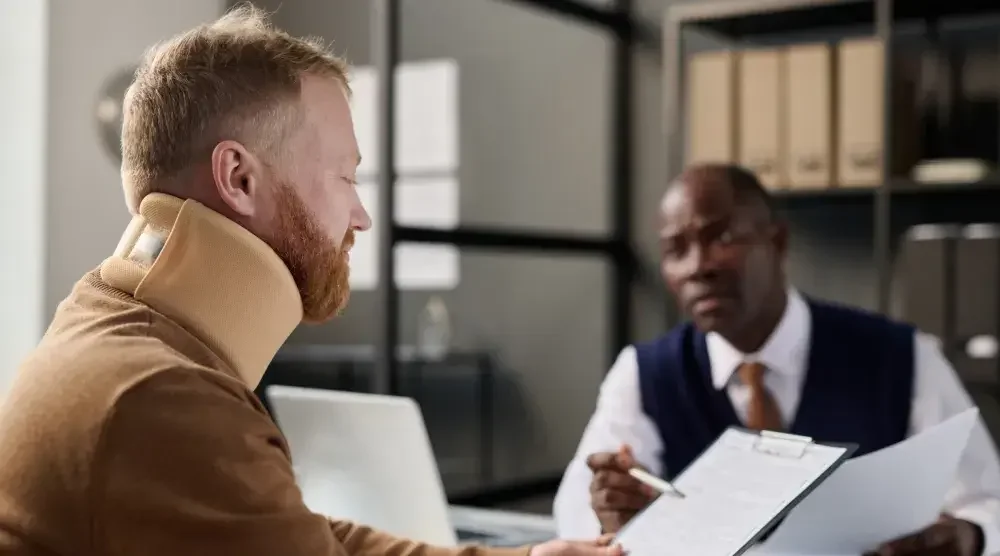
[(525, 162)]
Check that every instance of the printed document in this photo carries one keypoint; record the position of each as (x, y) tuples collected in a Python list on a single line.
[(732, 493), (877, 497)]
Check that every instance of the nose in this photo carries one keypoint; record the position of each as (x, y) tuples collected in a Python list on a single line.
[(360, 220), (700, 262)]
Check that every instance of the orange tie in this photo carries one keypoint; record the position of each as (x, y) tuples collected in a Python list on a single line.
[(762, 412)]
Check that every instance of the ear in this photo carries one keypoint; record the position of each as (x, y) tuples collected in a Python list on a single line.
[(239, 177)]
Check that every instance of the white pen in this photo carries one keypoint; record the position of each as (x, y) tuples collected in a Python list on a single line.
[(654, 482)]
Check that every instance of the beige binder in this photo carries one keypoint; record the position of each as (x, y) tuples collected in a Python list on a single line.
[(760, 133), (860, 116), (809, 116), (711, 125)]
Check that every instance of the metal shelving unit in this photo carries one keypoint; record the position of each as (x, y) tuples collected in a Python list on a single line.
[(615, 247), (748, 20)]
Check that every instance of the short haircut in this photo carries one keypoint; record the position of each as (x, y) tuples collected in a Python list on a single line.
[(746, 187), (236, 78)]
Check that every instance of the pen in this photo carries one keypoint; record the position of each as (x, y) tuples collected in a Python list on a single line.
[(655, 482)]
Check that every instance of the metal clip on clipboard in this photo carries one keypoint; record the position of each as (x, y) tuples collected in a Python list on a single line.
[(782, 444)]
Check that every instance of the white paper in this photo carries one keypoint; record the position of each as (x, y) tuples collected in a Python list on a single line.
[(420, 202), (427, 116), (731, 492), (877, 497)]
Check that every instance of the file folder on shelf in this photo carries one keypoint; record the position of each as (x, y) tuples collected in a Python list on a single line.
[(711, 107), (761, 143), (809, 116)]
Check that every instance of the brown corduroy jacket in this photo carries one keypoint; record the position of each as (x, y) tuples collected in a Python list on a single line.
[(133, 428)]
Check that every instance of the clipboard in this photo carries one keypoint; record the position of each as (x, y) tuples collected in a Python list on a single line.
[(739, 489)]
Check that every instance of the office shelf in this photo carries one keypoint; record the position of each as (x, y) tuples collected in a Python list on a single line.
[(826, 193), (961, 203), (615, 20), (904, 10), (904, 187), (901, 188), (743, 19), (741, 22), (747, 19)]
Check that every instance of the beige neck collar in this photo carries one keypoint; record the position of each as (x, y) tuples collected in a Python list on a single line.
[(211, 276)]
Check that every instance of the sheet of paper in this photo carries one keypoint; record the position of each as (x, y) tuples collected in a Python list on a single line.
[(876, 497), (731, 492)]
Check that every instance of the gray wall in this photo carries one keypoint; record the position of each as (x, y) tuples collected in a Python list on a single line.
[(88, 42), (528, 161)]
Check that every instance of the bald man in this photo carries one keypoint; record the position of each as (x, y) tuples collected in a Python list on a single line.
[(759, 353), (133, 428)]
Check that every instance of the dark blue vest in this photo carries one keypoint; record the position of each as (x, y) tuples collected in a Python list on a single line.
[(858, 386)]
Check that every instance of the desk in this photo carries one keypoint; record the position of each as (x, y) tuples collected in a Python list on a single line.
[(501, 528)]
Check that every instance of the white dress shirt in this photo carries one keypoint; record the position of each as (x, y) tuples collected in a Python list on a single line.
[(619, 419)]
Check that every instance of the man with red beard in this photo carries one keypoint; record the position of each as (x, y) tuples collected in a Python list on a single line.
[(133, 428)]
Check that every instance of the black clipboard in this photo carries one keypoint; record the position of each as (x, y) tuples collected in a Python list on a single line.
[(778, 445)]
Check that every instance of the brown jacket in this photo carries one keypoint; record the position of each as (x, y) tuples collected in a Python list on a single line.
[(133, 428)]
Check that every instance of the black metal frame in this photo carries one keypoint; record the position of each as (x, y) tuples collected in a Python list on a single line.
[(616, 247), (386, 32)]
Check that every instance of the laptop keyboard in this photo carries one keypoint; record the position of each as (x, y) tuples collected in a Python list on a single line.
[(499, 528), (500, 540), (470, 536)]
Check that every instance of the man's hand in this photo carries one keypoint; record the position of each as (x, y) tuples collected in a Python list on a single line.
[(615, 495), (600, 547), (947, 537)]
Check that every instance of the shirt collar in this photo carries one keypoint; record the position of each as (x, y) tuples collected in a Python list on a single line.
[(783, 352)]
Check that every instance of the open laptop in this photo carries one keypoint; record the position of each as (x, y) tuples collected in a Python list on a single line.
[(368, 458)]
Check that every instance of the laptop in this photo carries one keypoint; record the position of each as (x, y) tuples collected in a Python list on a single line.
[(365, 458), (368, 458)]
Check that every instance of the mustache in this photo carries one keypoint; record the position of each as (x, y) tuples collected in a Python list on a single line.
[(348, 242)]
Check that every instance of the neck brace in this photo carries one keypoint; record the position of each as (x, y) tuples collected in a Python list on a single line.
[(211, 276)]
